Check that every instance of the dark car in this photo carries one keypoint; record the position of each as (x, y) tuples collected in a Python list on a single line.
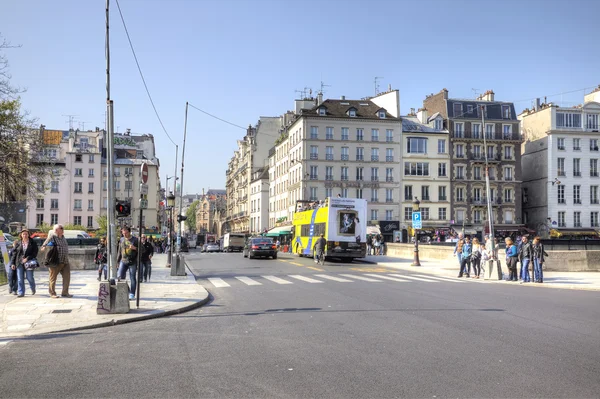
[(260, 246), (184, 245)]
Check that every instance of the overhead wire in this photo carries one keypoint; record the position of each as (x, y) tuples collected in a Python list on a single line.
[(216, 117), (141, 74)]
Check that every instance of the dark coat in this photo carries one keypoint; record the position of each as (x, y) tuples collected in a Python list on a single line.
[(18, 254), (147, 251), (526, 251)]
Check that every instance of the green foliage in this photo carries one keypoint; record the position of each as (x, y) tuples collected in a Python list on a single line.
[(191, 215), (73, 227), (44, 227), (102, 226)]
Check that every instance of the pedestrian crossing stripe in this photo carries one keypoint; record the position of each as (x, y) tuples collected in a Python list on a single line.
[(388, 278), (218, 282), (371, 280), (333, 278), (248, 281), (304, 278), (446, 279), (414, 278), (277, 280)]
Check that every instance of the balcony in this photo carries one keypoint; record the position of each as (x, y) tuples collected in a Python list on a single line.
[(425, 198), (314, 156), (389, 200), (577, 174), (442, 198), (593, 174), (360, 158), (389, 179), (508, 178), (329, 137), (389, 139), (374, 178), (459, 156), (329, 177), (459, 177), (359, 178), (375, 138), (329, 157), (375, 158), (360, 137), (345, 157), (345, 137), (374, 199), (561, 173), (344, 178), (314, 177)]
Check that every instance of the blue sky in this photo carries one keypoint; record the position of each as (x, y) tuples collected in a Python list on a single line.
[(243, 59)]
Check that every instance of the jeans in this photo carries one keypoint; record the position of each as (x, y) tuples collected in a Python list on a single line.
[(12, 280), (132, 275), (538, 272), (147, 269), (21, 274), (103, 268), (525, 270), (459, 257)]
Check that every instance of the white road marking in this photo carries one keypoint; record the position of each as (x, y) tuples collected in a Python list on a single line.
[(303, 278), (388, 278), (248, 281), (415, 278), (6, 342), (450, 279), (372, 280), (218, 282), (277, 280), (328, 277)]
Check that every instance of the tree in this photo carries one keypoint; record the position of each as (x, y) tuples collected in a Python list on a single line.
[(191, 216), (102, 226), (21, 166)]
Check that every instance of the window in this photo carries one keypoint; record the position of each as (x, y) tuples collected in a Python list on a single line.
[(389, 174), (352, 113), (458, 110), (313, 193), (344, 174), (476, 216), (39, 203), (344, 192), (389, 155), (442, 169), (561, 219), (507, 152), (329, 173), (381, 114), (577, 167), (314, 172), (374, 154), (328, 133), (90, 222), (78, 158), (374, 134), (442, 213), (489, 130), (389, 195), (459, 130), (508, 173), (442, 193), (568, 119), (360, 156), (314, 152), (560, 169), (476, 130), (53, 218), (477, 194), (78, 187), (425, 193), (314, 132), (360, 135), (492, 173), (374, 174), (438, 124), (78, 172), (359, 193), (593, 195), (374, 195), (506, 132), (408, 196), (490, 152), (592, 121), (593, 144), (477, 172), (117, 184), (374, 214), (328, 192), (424, 213), (54, 204), (54, 187), (345, 155), (460, 216), (594, 219), (322, 111), (576, 219), (416, 168), (90, 160), (577, 144), (416, 145), (117, 171), (508, 197), (441, 146), (460, 151), (506, 112), (77, 204), (91, 187), (389, 214), (460, 194), (408, 213), (359, 174), (128, 185), (77, 220), (508, 217), (345, 133), (577, 194), (329, 153), (460, 173), (560, 189), (477, 152), (594, 167), (90, 172), (389, 135), (104, 185), (39, 219), (128, 171), (560, 143)]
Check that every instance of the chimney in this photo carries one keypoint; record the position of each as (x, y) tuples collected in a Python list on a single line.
[(412, 111), (537, 104), (342, 97), (445, 91), (422, 115), (319, 98)]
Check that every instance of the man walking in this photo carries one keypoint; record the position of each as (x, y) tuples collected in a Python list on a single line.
[(147, 254), (62, 267), (525, 256), (320, 247), (127, 258), (467, 250)]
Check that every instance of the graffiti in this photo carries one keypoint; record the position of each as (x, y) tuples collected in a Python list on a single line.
[(124, 142), (103, 298)]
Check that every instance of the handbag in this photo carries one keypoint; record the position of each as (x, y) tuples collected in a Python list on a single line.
[(31, 264), (52, 255)]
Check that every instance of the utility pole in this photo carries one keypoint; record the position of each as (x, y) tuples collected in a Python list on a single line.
[(176, 270), (490, 212)]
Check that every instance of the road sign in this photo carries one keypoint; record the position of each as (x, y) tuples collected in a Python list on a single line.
[(143, 189), (416, 220), (143, 204), (144, 173)]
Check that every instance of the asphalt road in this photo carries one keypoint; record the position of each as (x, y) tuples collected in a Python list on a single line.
[(290, 328)]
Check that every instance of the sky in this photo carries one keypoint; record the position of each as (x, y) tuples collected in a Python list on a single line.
[(242, 59)]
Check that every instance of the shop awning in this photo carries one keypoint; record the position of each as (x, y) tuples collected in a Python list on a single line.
[(373, 230), (279, 231), (557, 233)]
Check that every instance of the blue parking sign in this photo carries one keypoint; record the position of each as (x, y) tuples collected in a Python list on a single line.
[(416, 220)]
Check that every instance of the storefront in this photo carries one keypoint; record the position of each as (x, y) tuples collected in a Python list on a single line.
[(387, 228)]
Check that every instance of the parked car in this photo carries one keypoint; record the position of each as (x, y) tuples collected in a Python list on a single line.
[(193, 242), (184, 247), (9, 240), (213, 247), (260, 246)]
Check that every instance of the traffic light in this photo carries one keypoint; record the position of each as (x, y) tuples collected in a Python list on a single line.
[(181, 218), (123, 209)]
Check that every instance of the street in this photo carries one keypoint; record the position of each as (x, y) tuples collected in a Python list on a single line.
[(291, 328)]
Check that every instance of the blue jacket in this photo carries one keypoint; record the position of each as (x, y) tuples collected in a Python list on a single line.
[(466, 250), (512, 252)]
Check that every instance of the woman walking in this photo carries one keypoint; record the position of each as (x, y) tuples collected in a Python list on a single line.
[(476, 255), (24, 262), (512, 257), (101, 259), (539, 257), (57, 238)]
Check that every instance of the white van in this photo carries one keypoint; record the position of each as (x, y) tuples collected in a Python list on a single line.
[(76, 234)]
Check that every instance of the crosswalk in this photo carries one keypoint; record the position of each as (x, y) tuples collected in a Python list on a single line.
[(218, 282)]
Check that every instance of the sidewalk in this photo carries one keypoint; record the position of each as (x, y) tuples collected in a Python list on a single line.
[(449, 268), (39, 314)]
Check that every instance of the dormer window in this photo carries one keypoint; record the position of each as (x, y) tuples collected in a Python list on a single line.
[(322, 111), (438, 124), (381, 114), (351, 112)]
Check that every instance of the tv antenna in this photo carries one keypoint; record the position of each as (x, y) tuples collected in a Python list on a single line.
[(302, 93), (82, 126), (377, 84), (323, 85), (71, 120), (475, 92)]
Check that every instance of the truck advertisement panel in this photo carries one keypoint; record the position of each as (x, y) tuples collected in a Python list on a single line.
[(347, 220)]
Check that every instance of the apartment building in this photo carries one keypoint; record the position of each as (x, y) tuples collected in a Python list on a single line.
[(208, 212), (561, 178), (259, 201), (468, 121), (426, 176)]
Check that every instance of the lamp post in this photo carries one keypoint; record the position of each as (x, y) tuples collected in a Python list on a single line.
[(170, 205), (416, 203)]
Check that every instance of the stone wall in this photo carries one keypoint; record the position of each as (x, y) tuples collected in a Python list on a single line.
[(80, 258)]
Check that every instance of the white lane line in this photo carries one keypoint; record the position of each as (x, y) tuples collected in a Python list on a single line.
[(303, 278), (372, 280), (277, 280), (218, 282), (388, 278), (248, 281), (328, 277), (450, 279), (415, 278)]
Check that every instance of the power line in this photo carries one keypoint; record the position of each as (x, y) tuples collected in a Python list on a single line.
[(141, 74), (557, 94), (216, 117)]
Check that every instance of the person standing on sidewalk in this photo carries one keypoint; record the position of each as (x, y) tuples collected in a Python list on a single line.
[(539, 257), (56, 237), (467, 250), (525, 256), (12, 274), (101, 259), (127, 258), (24, 254), (458, 250), (512, 256), (476, 255), (147, 254)]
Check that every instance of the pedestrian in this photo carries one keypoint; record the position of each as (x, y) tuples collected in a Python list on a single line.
[(467, 250), (377, 246), (101, 259), (512, 256), (476, 256), (24, 261), (458, 251), (127, 259), (525, 256), (319, 248), (11, 273), (539, 257), (57, 238), (147, 254)]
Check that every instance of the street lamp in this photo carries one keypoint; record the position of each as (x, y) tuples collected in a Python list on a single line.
[(170, 206), (416, 203)]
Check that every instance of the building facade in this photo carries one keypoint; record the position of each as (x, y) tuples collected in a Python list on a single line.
[(259, 201), (468, 121), (561, 178), (208, 212)]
